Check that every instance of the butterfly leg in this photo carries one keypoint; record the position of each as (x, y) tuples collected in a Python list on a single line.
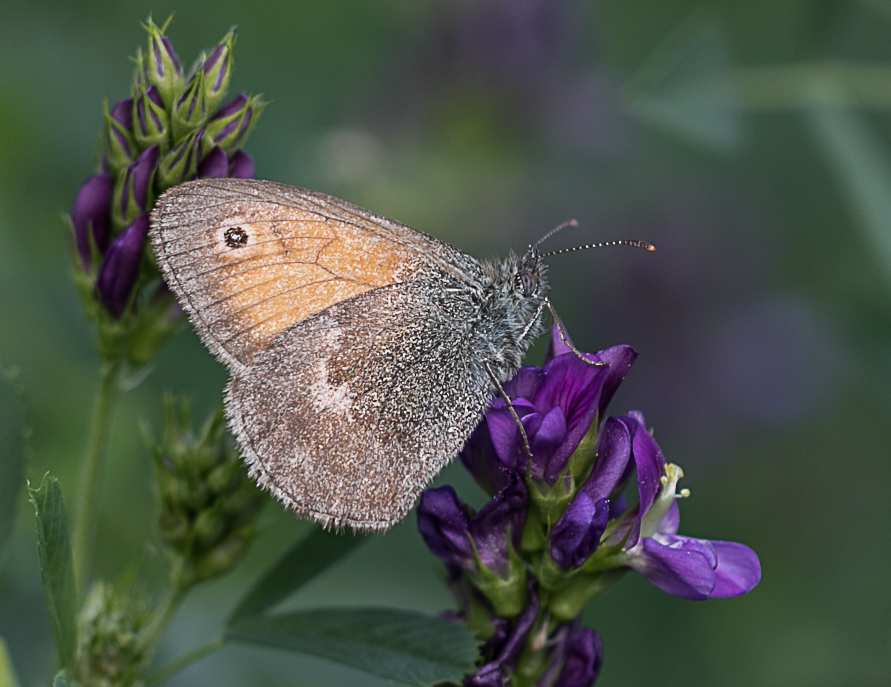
[(565, 339), (510, 407)]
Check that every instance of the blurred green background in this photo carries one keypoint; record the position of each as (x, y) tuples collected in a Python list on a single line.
[(751, 142)]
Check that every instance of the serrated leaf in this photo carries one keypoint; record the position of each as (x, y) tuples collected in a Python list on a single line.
[(56, 566), (687, 87), (864, 171), (306, 559), (12, 452), (403, 646), (7, 670)]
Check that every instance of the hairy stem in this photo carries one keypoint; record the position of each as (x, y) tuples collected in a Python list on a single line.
[(91, 475)]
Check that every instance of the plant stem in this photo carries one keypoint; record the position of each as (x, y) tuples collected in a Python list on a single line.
[(183, 661), (91, 475)]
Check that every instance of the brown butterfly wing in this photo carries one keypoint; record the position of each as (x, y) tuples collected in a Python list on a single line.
[(249, 258), (348, 414)]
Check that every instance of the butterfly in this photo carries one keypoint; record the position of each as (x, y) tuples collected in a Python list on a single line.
[(361, 352)]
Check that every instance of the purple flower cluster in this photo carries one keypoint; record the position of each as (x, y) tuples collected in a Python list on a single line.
[(168, 132), (595, 499)]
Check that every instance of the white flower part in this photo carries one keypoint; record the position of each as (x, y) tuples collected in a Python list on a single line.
[(649, 524)]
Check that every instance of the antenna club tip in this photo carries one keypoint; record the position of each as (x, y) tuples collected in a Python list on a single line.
[(650, 247), (572, 223)]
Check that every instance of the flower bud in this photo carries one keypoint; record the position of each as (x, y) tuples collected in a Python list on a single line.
[(583, 658), (162, 66), (241, 166), (120, 266), (90, 216), (133, 192), (230, 125), (119, 147), (110, 646), (577, 532), (217, 70), (215, 164), (180, 163), (150, 121), (189, 111)]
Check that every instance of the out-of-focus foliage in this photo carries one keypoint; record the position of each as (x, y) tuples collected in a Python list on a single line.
[(749, 141)]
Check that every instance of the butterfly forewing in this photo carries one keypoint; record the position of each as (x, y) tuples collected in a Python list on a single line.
[(248, 259)]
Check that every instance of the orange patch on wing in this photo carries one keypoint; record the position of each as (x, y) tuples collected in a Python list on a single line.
[(291, 269)]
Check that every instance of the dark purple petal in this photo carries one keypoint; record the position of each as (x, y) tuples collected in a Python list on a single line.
[(545, 443), (138, 179), (738, 571), (241, 166), (620, 359), (122, 113), (574, 386), (555, 344), (120, 266), (498, 524), (481, 460), (215, 164), (231, 107), (496, 672), (525, 383), (90, 214), (442, 522), (671, 521), (684, 568), (584, 658), (504, 431), (613, 456), (577, 532)]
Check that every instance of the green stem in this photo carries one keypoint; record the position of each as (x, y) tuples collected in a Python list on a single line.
[(163, 617), (91, 476), (183, 661)]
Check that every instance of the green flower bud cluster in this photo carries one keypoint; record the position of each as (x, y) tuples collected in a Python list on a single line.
[(208, 505), (110, 649)]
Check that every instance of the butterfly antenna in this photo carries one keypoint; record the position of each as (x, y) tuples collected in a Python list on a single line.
[(603, 244), (559, 227)]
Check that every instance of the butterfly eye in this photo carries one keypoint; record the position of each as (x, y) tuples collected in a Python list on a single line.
[(527, 283), (236, 237)]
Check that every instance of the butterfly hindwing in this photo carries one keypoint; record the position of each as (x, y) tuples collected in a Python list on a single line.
[(347, 415)]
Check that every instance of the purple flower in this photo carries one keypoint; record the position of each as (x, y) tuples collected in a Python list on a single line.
[(134, 192), (190, 109), (576, 535), (584, 657), (695, 569), (556, 404), (496, 672), (118, 145), (180, 163), (90, 216), (120, 266), (217, 69), (466, 540), (241, 166), (162, 67)]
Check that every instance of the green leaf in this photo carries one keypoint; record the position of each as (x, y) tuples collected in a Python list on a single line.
[(7, 671), (56, 567), (12, 452), (310, 556), (864, 171), (687, 87), (403, 646)]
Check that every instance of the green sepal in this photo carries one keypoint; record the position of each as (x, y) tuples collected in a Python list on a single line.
[(217, 76), (241, 121), (551, 501), (582, 460), (153, 326), (566, 603), (189, 110), (180, 163), (161, 65), (508, 595), (118, 143), (154, 132)]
